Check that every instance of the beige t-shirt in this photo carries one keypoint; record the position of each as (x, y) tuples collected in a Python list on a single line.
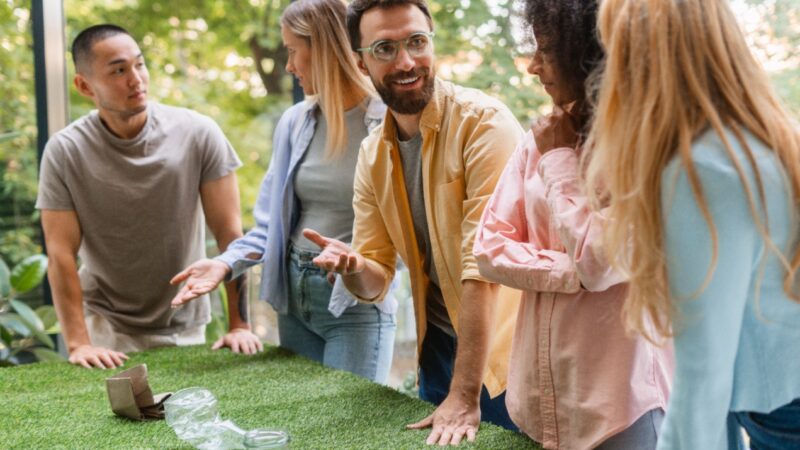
[(138, 205)]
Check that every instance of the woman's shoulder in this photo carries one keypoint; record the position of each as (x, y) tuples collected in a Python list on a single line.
[(716, 154), (713, 150), (296, 111)]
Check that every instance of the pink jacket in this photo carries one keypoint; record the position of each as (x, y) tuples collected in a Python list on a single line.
[(575, 377)]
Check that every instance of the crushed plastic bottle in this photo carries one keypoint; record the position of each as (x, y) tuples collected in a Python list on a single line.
[(266, 439), (192, 414)]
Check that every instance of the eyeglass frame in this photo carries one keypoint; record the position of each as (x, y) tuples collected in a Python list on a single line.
[(401, 42)]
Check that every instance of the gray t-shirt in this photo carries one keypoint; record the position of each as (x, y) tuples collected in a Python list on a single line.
[(411, 158), (324, 187), (138, 206)]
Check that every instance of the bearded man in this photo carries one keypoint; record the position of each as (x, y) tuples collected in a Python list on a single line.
[(422, 181)]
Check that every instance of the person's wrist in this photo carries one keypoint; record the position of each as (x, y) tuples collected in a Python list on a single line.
[(72, 348), (223, 266)]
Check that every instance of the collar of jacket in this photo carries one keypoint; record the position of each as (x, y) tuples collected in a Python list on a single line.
[(376, 111)]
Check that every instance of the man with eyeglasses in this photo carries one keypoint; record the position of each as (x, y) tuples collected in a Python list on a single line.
[(422, 181)]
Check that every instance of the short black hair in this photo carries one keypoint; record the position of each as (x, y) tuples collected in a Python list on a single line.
[(567, 30), (357, 8), (82, 45)]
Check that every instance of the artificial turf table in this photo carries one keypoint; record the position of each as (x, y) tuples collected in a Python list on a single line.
[(57, 405)]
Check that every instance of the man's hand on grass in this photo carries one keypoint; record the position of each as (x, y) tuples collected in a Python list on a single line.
[(454, 420), (240, 340), (90, 357)]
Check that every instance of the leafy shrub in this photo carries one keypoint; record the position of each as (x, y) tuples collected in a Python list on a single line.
[(24, 333)]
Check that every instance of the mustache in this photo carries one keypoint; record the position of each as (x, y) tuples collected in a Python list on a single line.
[(417, 72)]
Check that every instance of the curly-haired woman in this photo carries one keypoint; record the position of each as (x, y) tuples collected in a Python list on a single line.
[(577, 380)]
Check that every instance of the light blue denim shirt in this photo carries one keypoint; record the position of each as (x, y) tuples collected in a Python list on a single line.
[(737, 343), (277, 208)]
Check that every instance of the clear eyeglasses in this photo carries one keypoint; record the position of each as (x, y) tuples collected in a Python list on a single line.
[(386, 50)]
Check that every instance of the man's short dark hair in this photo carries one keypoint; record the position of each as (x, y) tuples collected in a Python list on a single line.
[(82, 45), (357, 8)]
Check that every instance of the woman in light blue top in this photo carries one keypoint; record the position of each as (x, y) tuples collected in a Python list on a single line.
[(697, 167), (310, 185)]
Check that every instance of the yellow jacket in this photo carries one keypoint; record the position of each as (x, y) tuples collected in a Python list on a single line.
[(467, 138)]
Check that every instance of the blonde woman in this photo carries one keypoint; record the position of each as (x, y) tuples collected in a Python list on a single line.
[(310, 185), (698, 165), (576, 380)]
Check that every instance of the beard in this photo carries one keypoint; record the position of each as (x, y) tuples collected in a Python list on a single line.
[(411, 102)]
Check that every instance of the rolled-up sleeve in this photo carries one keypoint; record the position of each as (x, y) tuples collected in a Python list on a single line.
[(503, 248), (579, 227)]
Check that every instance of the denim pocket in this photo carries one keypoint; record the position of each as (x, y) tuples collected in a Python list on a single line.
[(779, 429)]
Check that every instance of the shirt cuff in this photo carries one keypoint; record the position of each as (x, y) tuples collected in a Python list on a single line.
[(238, 265)]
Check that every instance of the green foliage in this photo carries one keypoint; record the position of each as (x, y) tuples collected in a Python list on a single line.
[(5, 280), (218, 326), (18, 168), (475, 47), (23, 330), (29, 273)]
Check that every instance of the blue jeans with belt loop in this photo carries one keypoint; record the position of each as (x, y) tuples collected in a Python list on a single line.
[(360, 341)]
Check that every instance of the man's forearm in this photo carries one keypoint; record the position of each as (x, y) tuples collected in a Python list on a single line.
[(68, 300), (475, 321), (236, 289), (238, 306), (367, 284)]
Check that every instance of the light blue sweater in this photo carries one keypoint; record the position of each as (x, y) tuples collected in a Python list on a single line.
[(737, 343)]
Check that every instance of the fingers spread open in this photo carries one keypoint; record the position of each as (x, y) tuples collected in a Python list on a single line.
[(181, 276), (424, 423), (218, 344), (436, 433)]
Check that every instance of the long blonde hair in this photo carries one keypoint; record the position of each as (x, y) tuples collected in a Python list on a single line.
[(335, 74), (673, 70)]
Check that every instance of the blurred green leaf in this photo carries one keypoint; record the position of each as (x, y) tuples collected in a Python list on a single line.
[(223, 298), (215, 329), (29, 273), (49, 318), (45, 354), (29, 318), (9, 136), (28, 315), (5, 280), (13, 323), (5, 336)]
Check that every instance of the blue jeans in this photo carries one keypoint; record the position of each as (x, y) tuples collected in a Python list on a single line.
[(436, 362), (641, 435), (776, 430), (360, 341)]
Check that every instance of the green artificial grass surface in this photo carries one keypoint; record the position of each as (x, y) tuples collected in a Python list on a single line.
[(57, 405)]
